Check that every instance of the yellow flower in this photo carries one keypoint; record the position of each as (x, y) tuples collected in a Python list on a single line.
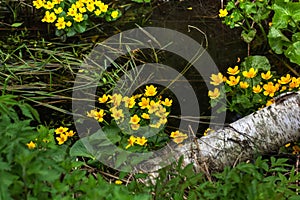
[(90, 7), (178, 137), (49, 5), (214, 94), (31, 145), (57, 1), (257, 89), (72, 12), (103, 99), (97, 12), (114, 14), (295, 82), (152, 107), (244, 85), (233, 71), (223, 13), (91, 113), (266, 76), (150, 91), (287, 145), (144, 103), (283, 88), (285, 80), (250, 74), (61, 130), (141, 140), (70, 133), (58, 10), (78, 17), (79, 4), (49, 17), (175, 134), (135, 119), (131, 141), (167, 102), (135, 126), (116, 99), (38, 4), (82, 10), (117, 114), (269, 102), (69, 23), (156, 125), (233, 81), (99, 115), (61, 139), (103, 7), (61, 24), (145, 116), (216, 79), (118, 182), (270, 89), (208, 131), (129, 102)]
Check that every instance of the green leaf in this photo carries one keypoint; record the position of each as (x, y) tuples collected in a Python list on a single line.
[(257, 62), (80, 28), (293, 52), (277, 40), (80, 149), (71, 32), (281, 17), (248, 36), (17, 24)]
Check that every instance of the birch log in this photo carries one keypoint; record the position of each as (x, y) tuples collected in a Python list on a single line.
[(261, 132)]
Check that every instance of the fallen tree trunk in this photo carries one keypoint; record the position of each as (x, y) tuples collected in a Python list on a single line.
[(261, 132)]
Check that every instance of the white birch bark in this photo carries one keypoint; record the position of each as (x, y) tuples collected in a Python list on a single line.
[(261, 132)]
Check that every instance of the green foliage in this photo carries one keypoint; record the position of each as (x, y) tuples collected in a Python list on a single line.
[(45, 170), (263, 179), (283, 33)]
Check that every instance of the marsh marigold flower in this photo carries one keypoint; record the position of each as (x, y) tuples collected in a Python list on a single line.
[(285, 79), (150, 91), (233, 80), (38, 4), (60, 24), (244, 85), (61, 130), (250, 74), (270, 89), (31, 145), (61, 139), (266, 76), (152, 107), (144, 103), (103, 7), (217, 79), (131, 141), (295, 82), (214, 94), (233, 71), (97, 12), (117, 114), (103, 99), (118, 182), (99, 115), (167, 102), (114, 14), (178, 137), (141, 141), (134, 119), (116, 99), (145, 116), (78, 17), (256, 89), (223, 13), (269, 102), (135, 127), (58, 10)]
